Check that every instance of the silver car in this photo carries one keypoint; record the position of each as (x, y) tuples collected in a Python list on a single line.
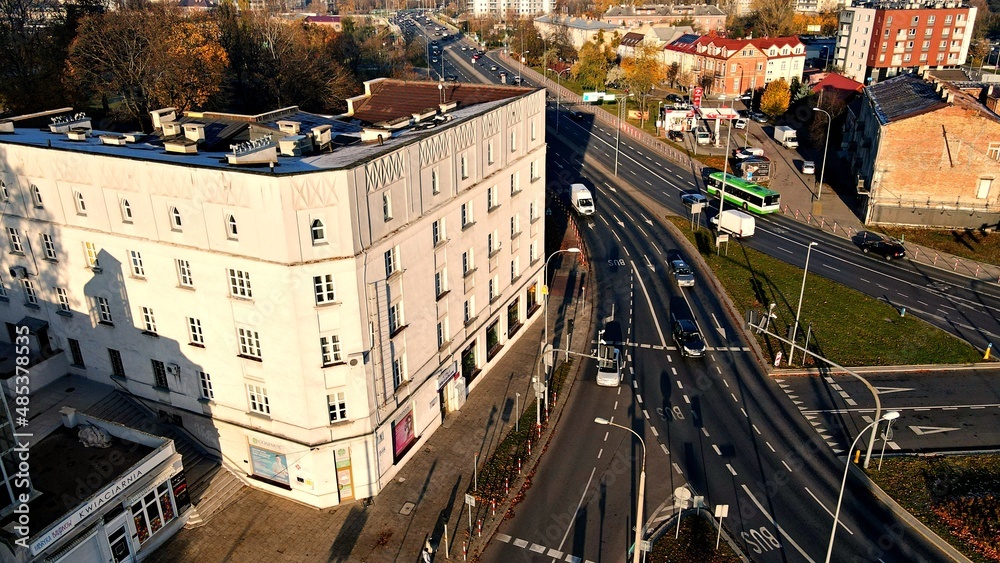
[(680, 270)]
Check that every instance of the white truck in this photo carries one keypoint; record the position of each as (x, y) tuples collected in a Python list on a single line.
[(581, 200), (786, 136), (735, 222)]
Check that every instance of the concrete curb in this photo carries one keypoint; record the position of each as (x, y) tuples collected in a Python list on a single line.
[(910, 520)]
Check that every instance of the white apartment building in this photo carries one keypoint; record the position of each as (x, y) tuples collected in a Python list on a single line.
[(306, 295), (502, 7)]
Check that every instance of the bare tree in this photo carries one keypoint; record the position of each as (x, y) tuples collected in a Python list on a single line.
[(773, 18)]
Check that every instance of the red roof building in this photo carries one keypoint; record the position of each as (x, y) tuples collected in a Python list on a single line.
[(736, 65)]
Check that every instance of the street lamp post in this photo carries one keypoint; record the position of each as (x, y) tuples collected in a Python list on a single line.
[(889, 416), (618, 135), (725, 166), (545, 305), (659, 107), (826, 146), (802, 292), (559, 94), (642, 487), (522, 58)]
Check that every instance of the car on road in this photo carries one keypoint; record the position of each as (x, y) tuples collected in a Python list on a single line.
[(577, 115), (517, 80), (693, 197), (451, 78), (679, 269), (748, 152), (434, 61), (675, 136), (886, 247), (740, 123), (464, 48), (808, 167), (475, 58), (674, 98), (758, 117), (493, 68)]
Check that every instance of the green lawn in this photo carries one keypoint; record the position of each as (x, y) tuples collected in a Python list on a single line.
[(849, 328), (957, 496)]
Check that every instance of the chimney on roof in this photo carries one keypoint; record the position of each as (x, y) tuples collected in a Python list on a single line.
[(161, 116), (194, 131), (289, 127)]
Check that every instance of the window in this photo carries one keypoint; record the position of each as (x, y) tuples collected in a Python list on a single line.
[(470, 309), (467, 218), (63, 299), (36, 196), (493, 242), (104, 310), (387, 207), (533, 252), (391, 261), (135, 259), (76, 352), (442, 332), (258, 399), (184, 277), (513, 141), (175, 219), (489, 152), (916, 20), (249, 343), (205, 386), (126, 209), (117, 367), (91, 250), (534, 170), (435, 182), (440, 282), (323, 287), (15, 241), (159, 374), (492, 198), (337, 404), (4, 194), (468, 264), (515, 225), (993, 151), (983, 191), (947, 20), (533, 134), (465, 166), (30, 296), (318, 232), (148, 320), (515, 268), (330, 348), (395, 317), (153, 511), (48, 247), (231, 231), (494, 288), (533, 211), (438, 232), (398, 371), (195, 335), (239, 284), (515, 183), (81, 205)]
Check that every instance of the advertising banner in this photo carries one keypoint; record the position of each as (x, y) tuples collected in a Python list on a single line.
[(592, 97), (402, 435), (696, 95), (269, 465)]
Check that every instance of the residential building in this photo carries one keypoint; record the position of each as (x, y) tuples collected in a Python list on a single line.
[(656, 36), (736, 65), (503, 7), (707, 18), (924, 153), (881, 39), (307, 295), (815, 6), (578, 30), (831, 86)]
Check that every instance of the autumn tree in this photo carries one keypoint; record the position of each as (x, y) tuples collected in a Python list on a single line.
[(776, 97), (591, 69), (673, 71), (773, 18), (147, 56), (978, 50), (642, 73)]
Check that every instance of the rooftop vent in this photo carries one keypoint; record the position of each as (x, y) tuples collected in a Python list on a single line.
[(393, 124), (289, 127), (181, 145), (294, 145), (133, 137), (369, 134), (194, 131), (161, 116), (425, 114), (78, 134), (64, 123), (6, 126), (448, 106), (322, 135), (116, 140), (258, 151), (171, 129)]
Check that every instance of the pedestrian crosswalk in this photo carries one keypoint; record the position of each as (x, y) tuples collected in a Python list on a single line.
[(541, 549)]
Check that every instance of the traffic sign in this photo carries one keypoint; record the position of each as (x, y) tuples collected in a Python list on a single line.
[(470, 500)]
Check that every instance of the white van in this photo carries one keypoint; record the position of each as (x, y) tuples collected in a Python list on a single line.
[(581, 199), (702, 135)]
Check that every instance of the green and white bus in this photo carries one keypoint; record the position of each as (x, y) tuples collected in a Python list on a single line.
[(743, 194)]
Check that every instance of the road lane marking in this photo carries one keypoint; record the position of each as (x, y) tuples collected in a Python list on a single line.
[(537, 548), (841, 522), (649, 302), (755, 429), (770, 446), (599, 453), (731, 470), (704, 431), (717, 450), (575, 512), (677, 468), (520, 543), (503, 537), (786, 466), (775, 524), (665, 450)]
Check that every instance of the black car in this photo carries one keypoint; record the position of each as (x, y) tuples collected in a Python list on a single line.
[(675, 136), (674, 98), (577, 115), (886, 247)]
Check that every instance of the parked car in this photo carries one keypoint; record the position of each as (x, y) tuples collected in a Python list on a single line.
[(693, 197), (740, 123), (675, 136), (758, 117), (748, 152), (451, 78), (808, 167), (674, 98), (679, 269), (886, 247)]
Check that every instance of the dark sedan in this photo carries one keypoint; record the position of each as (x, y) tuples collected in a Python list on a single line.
[(887, 248)]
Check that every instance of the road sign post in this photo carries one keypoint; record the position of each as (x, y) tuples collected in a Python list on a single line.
[(681, 497), (721, 511)]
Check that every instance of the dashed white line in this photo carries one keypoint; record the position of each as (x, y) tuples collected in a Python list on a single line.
[(704, 431), (731, 470), (687, 399), (770, 446), (755, 429), (735, 399), (786, 466), (599, 453), (677, 468), (717, 450)]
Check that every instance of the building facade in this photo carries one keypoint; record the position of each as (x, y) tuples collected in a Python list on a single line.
[(578, 30), (879, 40), (307, 295), (503, 7), (736, 65), (924, 153), (707, 18)]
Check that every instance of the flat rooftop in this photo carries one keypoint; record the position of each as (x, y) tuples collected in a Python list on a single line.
[(387, 104)]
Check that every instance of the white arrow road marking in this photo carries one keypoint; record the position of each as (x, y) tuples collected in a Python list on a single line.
[(887, 390), (646, 219), (722, 331), (922, 430), (649, 264), (619, 221)]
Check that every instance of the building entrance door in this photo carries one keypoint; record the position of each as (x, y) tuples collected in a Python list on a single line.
[(118, 539)]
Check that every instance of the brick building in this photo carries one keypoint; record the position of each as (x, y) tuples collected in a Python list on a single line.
[(879, 40), (736, 65), (924, 153)]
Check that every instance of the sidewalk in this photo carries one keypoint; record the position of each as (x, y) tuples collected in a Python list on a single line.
[(428, 492)]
